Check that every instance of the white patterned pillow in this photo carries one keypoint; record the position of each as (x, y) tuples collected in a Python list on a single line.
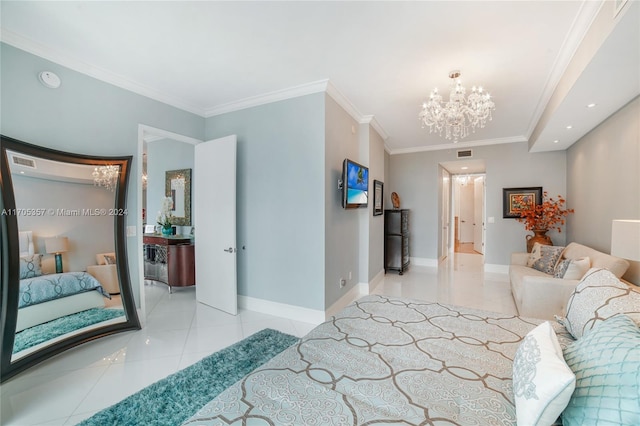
[(542, 381), (30, 266), (572, 269), (549, 259), (598, 296)]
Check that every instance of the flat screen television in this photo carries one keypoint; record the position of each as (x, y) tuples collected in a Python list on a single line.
[(355, 185)]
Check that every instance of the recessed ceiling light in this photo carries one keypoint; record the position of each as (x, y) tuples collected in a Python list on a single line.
[(464, 168), (556, 141), (569, 127), (591, 105)]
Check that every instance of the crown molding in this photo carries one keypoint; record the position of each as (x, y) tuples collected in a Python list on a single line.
[(47, 53), (267, 98), (588, 12), (371, 120), (458, 145), (74, 64)]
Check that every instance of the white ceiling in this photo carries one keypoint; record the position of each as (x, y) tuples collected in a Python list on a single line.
[(383, 57)]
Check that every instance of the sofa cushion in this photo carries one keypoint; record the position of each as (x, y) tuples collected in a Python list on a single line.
[(606, 362), (516, 276), (572, 269), (548, 259), (598, 296), (598, 259)]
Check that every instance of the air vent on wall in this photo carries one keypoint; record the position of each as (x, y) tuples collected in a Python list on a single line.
[(24, 161), (465, 153)]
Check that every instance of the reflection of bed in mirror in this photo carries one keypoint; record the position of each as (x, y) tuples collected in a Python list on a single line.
[(75, 209), (45, 297)]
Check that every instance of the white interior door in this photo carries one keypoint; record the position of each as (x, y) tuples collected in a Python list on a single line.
[(445, 214), (466, 212), (478, 214), (214, 203)]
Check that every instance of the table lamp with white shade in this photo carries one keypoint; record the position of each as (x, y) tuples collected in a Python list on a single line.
[(625, 239), (57, 246)]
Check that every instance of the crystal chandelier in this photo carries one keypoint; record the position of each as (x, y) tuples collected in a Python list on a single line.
[(106, 176), (458, 115)]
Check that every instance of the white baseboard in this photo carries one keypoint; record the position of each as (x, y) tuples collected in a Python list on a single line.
[(501, 269), (423, 261), (297, 313), (375, 282), (356, 292)]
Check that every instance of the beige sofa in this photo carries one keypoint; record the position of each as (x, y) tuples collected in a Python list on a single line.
[(539, 295), (106, 273)]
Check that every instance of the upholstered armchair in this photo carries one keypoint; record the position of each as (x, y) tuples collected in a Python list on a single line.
[(106, 272)]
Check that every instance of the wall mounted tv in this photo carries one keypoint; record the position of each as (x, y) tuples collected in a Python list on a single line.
[(355, 185)]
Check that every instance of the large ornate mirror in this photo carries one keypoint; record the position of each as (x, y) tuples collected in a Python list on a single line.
[(65, 276), (178, 187)]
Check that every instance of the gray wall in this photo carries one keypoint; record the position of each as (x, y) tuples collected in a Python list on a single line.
[(88, 235), (280, 198), (164, 155), (603, 180), (376, 223), (342, 227), (85, 116), (415, 178)]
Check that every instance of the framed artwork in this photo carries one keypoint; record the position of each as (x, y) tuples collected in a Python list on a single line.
[(514, 199), (378, 194)]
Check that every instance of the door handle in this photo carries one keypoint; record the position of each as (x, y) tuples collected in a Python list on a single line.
[(229, 250)]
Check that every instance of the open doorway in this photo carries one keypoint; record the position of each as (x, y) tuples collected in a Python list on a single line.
[(466, 206), (468, 212)]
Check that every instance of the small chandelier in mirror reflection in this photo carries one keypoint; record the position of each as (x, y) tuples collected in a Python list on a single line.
[(460, 114), (106, 176)]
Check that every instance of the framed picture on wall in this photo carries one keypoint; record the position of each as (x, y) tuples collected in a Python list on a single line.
[(378, 195), (516, 199)]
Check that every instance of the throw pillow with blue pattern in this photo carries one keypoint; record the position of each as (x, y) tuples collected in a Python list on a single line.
[(606, 362), (542, 381), (30, 266), (548, 260)]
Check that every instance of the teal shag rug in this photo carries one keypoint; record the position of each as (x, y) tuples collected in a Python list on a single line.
[(174, 399), (41, 333)]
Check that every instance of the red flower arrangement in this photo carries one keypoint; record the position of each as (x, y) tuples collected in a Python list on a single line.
[(548, 215)]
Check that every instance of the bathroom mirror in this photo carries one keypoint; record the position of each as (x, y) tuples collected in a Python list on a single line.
[(64, 272), (178, 187)]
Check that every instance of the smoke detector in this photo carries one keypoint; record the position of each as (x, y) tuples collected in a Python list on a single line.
[(49, 79)]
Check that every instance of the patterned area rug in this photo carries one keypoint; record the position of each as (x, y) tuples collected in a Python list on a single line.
[(41, 333), (177, 397)]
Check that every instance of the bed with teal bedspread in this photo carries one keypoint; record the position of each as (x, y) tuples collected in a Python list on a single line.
[(45, 288)]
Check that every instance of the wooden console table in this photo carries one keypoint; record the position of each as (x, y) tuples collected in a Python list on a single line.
[(169, 260)]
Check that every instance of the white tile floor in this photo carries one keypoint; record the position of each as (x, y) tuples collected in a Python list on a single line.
[(78, 383)]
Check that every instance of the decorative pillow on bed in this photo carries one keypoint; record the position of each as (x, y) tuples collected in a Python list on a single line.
[(606, 362), (30, 266), (572, 269), (542, 381), (598, 296), (109, 259), (549, 257)]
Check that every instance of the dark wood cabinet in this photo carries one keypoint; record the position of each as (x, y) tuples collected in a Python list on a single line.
[(170, 260), (396, 240)]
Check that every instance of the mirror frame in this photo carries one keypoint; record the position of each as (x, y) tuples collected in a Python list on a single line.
[(186, 174), (10, 263)]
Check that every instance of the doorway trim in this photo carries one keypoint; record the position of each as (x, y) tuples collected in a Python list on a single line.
[(148, 134)]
